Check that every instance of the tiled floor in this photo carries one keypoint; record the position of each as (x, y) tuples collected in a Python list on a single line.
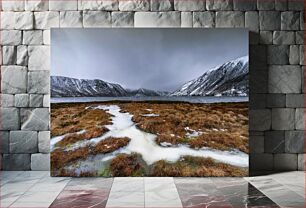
[(38, 189)]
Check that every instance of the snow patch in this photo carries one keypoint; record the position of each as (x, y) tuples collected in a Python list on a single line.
[(144, 143)]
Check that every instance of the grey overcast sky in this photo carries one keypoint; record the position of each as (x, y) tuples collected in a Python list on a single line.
[(158, 59)]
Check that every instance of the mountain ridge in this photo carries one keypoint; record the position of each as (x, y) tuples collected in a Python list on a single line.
[(228, 79)]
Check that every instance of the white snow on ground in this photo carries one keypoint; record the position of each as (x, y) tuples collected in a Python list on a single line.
[(144, 143), (165, 144), (193, 133), (57, 139), (150, 115)]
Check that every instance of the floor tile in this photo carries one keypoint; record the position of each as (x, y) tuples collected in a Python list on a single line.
[(204, 194), (125, 199), (162, 198), (89, 184), (81, 198), (35, 199), (128, 184), (277, 192)]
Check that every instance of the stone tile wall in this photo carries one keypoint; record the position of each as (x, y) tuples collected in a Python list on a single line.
[(276, 68)]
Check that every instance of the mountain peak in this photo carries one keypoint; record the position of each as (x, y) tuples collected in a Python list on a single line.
[(230, 79)]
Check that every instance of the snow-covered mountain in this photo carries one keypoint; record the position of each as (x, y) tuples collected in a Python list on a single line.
[(71, 87), (141, 92), (229, 79)]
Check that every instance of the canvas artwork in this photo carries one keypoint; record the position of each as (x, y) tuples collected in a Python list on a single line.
[(149, 102)]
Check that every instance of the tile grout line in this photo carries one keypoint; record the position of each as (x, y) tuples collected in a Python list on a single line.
[(144, 192), (268, 194), (285, 185), (70, 179), (178, 193), (25, 191)]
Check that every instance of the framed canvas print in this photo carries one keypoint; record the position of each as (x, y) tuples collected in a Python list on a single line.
[(149, 102)]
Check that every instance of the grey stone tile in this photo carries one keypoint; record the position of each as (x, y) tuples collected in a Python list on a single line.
[(294, 54), (14, 79), (244, 5), (301, 163), (40, 161), (276, 100), (7, 100), (203, 19), (104, 19), (269, 20), (9, 55), (256, 144), (281, 5), (219, 5), (266, 37), (163, 5), (299, 119), (285, 162), (36, 119), (21, 100), (44, 141), (285, 79), (257, 101), (261, 120), (230, 19), (23, 142), (297, 5), (295, 100), (39, 82), (36, 100), (16, 161), (4, 141), (261, 161), (294, 141), (278, 54), (265, 5), (196, 5), (275, 142), (283, 37), (10, 119), (123, 19), (283, 118), (290, 20)]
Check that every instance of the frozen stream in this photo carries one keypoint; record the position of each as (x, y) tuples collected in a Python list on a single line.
[(144, 143)]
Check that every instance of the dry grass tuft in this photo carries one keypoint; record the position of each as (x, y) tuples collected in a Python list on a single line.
[(71, 118), (224, 126), (73, 138), (126, 165), (60, 158), (110, 144), (196, 167)]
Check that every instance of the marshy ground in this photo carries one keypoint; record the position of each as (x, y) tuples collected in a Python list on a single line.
[(222, 126)]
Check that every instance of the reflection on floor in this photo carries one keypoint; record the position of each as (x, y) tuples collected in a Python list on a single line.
[(38, 189)]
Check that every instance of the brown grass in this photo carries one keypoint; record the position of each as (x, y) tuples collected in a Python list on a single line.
[(60, 158), (126, 165), (110, 144), (196, 167), (71, 118), (74, 137), (175, 117)]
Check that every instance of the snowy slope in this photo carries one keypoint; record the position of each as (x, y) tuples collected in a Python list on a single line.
[(70, 87), (230, 79)]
